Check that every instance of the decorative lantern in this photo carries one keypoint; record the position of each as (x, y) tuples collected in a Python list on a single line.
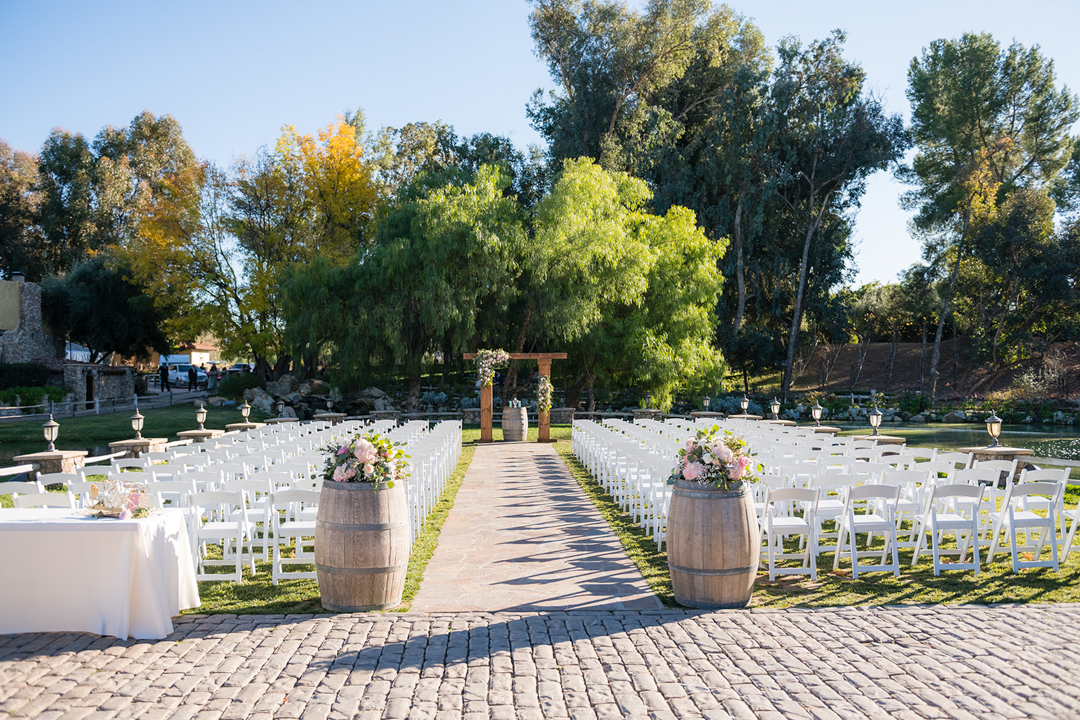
[(245, 410), (52, 429), (648, 400), (815, 412), (705, 402), (280, 407), (993, 426), (875, 420), (200, 416), (744, 403), (137, 424), (775, 407), (329, 404)]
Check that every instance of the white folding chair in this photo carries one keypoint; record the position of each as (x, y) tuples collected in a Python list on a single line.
[(283, 508), (226, 524), (851, 524), (1068, 515), (15, 488), (1012, 518), (937, 519), (126, 463), (45, 500), (780, 521)]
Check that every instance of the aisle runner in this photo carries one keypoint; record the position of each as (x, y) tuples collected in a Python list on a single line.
[(522, 536)]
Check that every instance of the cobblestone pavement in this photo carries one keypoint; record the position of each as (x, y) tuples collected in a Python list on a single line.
[(895, 662), (522, 536)]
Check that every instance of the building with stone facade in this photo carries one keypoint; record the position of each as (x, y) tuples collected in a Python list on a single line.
[(25, 337)]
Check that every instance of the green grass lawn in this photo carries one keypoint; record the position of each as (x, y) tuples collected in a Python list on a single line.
[(79, 433), (995, 584)]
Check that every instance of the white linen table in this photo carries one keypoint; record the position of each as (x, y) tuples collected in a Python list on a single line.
[(61, 571)]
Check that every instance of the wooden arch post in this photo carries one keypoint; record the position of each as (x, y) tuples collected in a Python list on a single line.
[(544, 424)]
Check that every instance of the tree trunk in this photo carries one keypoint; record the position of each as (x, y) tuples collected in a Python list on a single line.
[(796, 320), (956, 357), (892, 354), (922, 354), (865, 347), (412, 404), (573, 394), (740, 270)]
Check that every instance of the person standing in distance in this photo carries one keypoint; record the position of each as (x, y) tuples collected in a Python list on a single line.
[(163, 371)]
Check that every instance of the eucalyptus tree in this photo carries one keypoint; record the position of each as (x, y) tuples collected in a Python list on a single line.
[(986, 120), (21, 243), (830, 137)]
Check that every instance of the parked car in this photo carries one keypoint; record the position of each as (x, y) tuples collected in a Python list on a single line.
[(241, 367), (178, 376)]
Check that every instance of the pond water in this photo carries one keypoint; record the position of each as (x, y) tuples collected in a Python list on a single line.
[(1058, 442)]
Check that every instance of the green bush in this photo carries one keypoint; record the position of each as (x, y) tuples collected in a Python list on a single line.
[(234, 385), (21, 375), (31, 395), (913, 402)]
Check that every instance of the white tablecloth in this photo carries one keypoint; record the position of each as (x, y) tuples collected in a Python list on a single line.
[(60, 571)]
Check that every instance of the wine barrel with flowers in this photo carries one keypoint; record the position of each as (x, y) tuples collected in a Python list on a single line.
[(713, 543), (362, 527)]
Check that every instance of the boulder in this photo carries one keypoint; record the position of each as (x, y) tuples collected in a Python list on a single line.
[(253, 394), (283, 386), (956, 416), (294, 398), (215, 401), (314, 387), (264, 403), (920, 418), (288, 412), (372, 392)]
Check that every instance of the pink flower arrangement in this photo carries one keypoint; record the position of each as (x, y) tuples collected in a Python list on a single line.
[(368, 458), (487, 361), (710, 458)]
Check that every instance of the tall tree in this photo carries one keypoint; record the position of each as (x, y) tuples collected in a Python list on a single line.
[(830, 139), (98, 305), (21, 244), (984, 118)]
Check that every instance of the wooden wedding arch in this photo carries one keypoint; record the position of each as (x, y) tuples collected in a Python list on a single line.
[(544, 424)]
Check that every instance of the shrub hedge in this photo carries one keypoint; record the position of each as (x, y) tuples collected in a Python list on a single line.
[(22, 375)]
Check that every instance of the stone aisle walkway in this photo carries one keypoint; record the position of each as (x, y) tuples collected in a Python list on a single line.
[(522, 536), (963, 663)]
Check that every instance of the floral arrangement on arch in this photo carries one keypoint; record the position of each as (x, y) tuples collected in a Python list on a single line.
[(487, 361), (544, 392), (369, 458), (712, 458)]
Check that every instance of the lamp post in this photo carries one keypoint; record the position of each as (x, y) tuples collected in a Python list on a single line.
[(52, 429), (875, 420), (705, 402), (775, 407), (744, 403), (200, 416), (815, 412), (245, 410), (329, 405), (280, 407), (137, 424), (993, 426), (648, 400)]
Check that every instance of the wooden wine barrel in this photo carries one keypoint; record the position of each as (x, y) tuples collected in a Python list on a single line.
[(515, 424), (713, 545), (361, 546)]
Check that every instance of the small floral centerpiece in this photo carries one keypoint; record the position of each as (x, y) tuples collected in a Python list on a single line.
[(712, 458), (543, 394), (369, 458), (487, 361)]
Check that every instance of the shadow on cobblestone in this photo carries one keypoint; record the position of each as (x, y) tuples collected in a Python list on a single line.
[(876, 662)]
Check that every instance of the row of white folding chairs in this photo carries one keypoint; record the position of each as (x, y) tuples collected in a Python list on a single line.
[(1036, 501), (629, 471)]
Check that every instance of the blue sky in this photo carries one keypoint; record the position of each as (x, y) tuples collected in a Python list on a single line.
[(234, 72)]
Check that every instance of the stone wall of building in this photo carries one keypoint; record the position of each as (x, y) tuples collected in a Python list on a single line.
[(28, 341), (86, 382)]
